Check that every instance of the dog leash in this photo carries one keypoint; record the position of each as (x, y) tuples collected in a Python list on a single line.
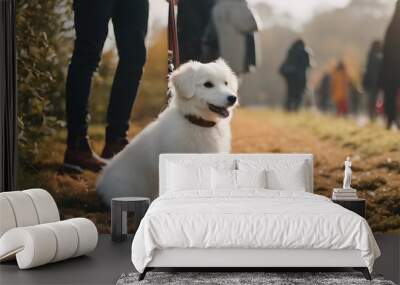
[(173, 46), (174, 62)]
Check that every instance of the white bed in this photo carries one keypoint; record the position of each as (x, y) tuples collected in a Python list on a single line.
[(250, 227)]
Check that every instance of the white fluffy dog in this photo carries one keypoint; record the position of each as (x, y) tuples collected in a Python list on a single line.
[(197, 120)]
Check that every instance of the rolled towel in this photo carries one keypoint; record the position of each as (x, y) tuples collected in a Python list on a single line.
[(37, 245)]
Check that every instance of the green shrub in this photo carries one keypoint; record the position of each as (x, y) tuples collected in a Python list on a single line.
[(43, 33)]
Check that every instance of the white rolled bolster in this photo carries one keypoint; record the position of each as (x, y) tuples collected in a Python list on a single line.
[(26, 208), (66, 238), (23, 209), (46, 207), (40, 244), (7, 218), (33, 246), (87, 235)]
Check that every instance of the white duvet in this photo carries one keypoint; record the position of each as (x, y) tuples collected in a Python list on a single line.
[(250, 219)]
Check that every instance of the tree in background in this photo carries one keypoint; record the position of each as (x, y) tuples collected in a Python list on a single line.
[(43, 36), (44, 47)]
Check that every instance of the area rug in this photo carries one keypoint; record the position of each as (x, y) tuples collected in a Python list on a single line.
[(244, 278)]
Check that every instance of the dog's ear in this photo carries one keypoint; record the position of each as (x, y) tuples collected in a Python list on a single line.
[(232, 78), (183, 80)]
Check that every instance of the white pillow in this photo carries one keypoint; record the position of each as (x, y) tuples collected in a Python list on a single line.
[(199, 161), (181, 178), (251, 178), (282, 174), (293, 181), (223, 179), (226, 179)]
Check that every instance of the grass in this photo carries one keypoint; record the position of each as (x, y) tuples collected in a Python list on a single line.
[(368, 140), (375, 153)]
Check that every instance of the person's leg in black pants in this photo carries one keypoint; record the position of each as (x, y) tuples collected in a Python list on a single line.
[(298, 96), (192, 21), (291, 94), (372, 97), (390, 106), (91, 18), (91, 24), (130, 27)]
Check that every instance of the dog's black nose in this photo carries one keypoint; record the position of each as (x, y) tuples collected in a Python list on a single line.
[(231, 100)]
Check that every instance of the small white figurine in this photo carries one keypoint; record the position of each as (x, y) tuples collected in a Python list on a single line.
[(347, 174)]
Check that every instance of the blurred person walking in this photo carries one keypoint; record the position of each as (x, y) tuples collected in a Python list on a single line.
[(208, 29), (355, 97), (193, 18), (390, 74), (235, 26), (324, 93), (91, 19), (294, 71), (340, 91), (371, 76)]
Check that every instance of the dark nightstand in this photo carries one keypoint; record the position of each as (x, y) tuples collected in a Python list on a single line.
[(119, 211), (358, 206)]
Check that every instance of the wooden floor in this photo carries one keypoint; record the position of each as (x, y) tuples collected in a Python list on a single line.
[(110, 260)]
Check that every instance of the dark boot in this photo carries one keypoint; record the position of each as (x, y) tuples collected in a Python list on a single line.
[(79, 156), (114, 146)]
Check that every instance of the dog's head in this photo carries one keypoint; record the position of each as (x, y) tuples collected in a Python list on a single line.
[(206, 90)]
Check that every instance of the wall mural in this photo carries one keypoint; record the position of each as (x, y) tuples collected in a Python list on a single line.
[(254, 77)]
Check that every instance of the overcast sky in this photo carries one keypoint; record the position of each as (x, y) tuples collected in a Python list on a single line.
[(300, 10)]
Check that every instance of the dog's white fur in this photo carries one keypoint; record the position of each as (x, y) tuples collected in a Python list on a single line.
[(134, 171)]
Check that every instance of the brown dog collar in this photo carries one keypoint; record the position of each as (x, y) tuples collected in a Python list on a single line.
[(198, 121)]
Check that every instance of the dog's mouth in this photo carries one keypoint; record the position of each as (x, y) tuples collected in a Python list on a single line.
[(222, 111)]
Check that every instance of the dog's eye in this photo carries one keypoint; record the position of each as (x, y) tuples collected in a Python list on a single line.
[(226, 82), (208, 84)]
